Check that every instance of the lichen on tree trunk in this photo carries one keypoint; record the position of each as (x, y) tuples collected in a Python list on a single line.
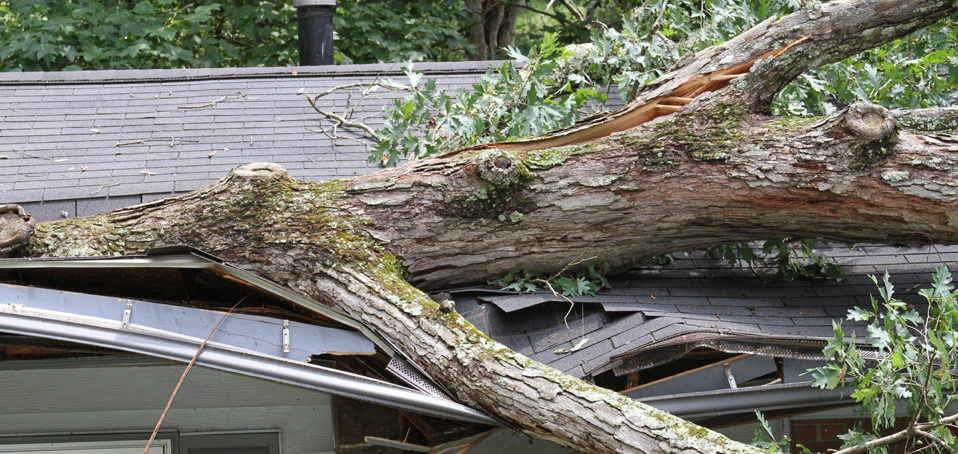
[(717, 170)]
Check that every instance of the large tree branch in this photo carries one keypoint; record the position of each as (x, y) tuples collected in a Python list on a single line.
[(699, 178), (786, 48)]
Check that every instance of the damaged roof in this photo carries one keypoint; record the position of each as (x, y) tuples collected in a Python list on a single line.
[(691, 302), (164, 305), (81, 143)]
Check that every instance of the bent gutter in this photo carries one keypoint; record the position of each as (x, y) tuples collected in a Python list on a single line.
[(17, 319), (194, 259), (730, 401)]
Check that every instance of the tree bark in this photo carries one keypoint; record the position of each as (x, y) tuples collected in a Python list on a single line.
[(477, 30), (492, 27), (694, 162)]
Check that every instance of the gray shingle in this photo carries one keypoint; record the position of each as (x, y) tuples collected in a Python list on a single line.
[(144, 105), (572, 362), (760, 320), (578, 329), (51, 211), (634, 326), (102, 205)]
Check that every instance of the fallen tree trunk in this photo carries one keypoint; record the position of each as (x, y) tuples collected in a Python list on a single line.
[(714, 169)]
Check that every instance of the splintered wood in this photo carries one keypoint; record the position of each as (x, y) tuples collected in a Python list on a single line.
[(637, 114)]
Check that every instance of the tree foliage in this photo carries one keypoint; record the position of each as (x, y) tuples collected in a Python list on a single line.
[(514, 101), (141, 34), (52, 35), (400, 31), (557, 85)]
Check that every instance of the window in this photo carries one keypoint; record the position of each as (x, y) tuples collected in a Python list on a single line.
[(230, 443), (90, 447), (167, 442)]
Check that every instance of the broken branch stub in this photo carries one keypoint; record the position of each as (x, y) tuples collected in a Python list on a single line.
[(16, 227), (498, 168), (869, 122), (259, 171)]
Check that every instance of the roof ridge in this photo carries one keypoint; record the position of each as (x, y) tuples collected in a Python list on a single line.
[(195, 74)]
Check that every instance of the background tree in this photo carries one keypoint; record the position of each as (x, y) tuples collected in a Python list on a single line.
[(401, 31), (50, 35)]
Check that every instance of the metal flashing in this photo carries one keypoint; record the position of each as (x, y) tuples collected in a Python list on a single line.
[(17, 318), (188, 258), (240, 332)]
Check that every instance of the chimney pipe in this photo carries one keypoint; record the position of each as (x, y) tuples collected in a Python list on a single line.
[(315, 19)]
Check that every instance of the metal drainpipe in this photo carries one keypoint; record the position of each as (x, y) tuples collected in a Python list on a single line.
[(315, 20)]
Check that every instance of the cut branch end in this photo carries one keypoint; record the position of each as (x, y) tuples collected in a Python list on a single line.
[(869, 122), (16, 227), (259, 171)]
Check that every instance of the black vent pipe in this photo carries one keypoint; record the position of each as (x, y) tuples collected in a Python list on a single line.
[(315, 19)]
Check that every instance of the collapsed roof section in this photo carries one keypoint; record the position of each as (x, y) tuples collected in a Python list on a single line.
[(164, 305), (699, 329)]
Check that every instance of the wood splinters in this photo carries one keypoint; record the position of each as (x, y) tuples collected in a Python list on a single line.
[(677, 100), (667, 107), (727, 76)]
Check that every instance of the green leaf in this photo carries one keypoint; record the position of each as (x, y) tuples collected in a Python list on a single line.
[(827, 377), (897, 360), (859, 314), (878, 337)]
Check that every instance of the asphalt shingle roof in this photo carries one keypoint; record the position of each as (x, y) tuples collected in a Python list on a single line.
[(79, 143)]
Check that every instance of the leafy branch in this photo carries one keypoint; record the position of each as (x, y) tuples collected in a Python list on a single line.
[(589, 281), (795, 258), (586, 282), (918, 364)]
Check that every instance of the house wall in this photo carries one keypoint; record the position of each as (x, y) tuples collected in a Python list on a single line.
[(745, 433), (72, 396)]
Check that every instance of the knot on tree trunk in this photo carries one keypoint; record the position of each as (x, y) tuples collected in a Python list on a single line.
[(498, 168), (16, 227), (259, 171), (868, 122)]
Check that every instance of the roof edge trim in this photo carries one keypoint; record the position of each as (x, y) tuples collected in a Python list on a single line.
[(132, 76), (269, 368)]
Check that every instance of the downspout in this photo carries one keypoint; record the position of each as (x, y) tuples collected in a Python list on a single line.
[(315, 21)]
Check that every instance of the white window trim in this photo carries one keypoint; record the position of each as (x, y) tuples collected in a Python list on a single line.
[(85, 447)]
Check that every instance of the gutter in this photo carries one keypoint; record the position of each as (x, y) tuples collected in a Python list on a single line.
[(730, 401), (111, 334), (184, 257), (193, 259)]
